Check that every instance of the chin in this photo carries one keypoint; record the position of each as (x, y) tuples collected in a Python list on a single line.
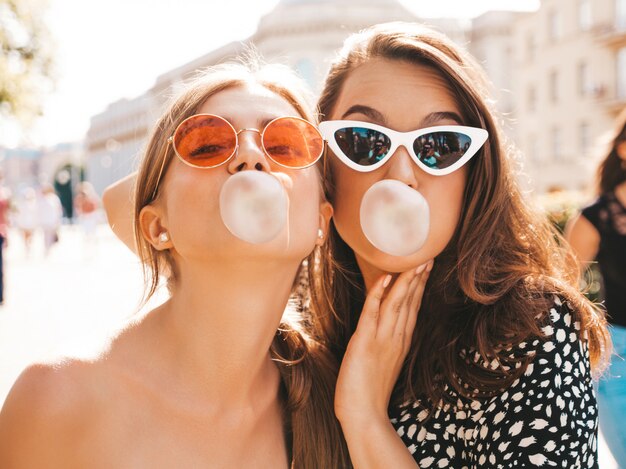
[(394, 264)]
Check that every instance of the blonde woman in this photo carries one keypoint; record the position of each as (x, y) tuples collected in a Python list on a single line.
[(218, 375)]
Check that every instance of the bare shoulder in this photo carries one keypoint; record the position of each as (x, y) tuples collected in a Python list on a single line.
[(583, 237), (43, 413)]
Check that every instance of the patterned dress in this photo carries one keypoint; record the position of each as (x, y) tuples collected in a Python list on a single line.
[(546, 418)]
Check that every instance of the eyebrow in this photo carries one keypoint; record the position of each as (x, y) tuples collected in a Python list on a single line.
[(370, 112), (435, 117), (378, 117)]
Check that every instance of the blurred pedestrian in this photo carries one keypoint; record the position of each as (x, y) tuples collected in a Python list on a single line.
[(86, 205), (50, 215), (27, 217), (5, 206), (599, 233)]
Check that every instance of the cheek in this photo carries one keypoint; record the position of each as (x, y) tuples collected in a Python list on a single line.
[(445, 198), (349, 189), (192, 199)]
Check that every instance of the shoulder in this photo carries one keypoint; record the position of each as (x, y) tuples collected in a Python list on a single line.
[(43, 412), (592, 211), (549, 414), (562, 346)]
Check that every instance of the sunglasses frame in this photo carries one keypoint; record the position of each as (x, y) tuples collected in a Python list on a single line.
[(170, 141), (477, 135)]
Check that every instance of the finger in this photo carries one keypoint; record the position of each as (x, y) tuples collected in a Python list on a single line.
[(404, 313), (371, 307), (391, 306), (414, 307), (413, 292)]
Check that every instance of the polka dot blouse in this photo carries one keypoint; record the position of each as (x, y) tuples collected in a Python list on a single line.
[(546, 418)]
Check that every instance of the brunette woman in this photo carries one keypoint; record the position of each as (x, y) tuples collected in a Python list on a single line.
[(499, 367), (599, 233)]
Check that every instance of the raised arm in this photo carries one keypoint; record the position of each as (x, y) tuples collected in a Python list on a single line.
[(584, 239), (118, 204), (370, 368)]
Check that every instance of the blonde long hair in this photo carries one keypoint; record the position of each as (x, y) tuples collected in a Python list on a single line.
[(495, 281), (308, 369)]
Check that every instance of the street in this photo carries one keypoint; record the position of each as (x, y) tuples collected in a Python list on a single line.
[(67, 303), (71, 301)]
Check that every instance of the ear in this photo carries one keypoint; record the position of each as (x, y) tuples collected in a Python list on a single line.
[(153, 228), (326, 213)]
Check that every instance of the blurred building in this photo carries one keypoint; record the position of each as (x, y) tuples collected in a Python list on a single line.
[(558, 74), (492, 43), (20, 167), (60, 166), (569, 77), (304, 34), (115, 138), (59, 158)]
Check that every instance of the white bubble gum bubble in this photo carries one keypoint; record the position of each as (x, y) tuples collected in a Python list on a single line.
[(253, 206), (395, 218)]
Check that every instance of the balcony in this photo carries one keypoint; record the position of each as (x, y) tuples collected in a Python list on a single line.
[(610, 34)]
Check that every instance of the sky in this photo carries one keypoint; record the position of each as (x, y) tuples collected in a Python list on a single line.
[(108, 50)]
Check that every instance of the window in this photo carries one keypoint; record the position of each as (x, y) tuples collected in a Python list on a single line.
[(621, 73), (557, 151), (554, 25), (553, 84), (531, 43), (620, 14), (584, 136), (584, 79), (533, 148), (532, 98), (584, 15)]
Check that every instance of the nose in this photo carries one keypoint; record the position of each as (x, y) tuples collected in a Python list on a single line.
[(249, 154), (402, 168)]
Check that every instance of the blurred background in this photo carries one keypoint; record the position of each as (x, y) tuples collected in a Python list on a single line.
[(81, 84)]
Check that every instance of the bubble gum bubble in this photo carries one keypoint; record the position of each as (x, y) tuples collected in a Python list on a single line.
[(253, 206), (395, 218)]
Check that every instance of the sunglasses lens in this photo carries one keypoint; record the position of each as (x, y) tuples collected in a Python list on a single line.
[(205, 141), (365, 147), (438, 150), (292, 142)]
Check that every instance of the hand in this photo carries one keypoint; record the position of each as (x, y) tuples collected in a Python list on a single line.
[(378, 347)]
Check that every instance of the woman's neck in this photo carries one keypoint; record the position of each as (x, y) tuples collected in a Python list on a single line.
[(219, 324), (370, 273)]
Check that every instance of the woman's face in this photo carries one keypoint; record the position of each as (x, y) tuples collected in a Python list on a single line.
[(190, 196), (403, 97)]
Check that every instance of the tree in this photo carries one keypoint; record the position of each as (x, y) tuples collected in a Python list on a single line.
[(25, 59)]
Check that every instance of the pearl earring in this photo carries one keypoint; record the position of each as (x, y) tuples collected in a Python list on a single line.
[(320, 233), (164, 237)]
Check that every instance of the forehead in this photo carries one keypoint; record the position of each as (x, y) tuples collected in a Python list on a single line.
[(405, 93), (251, 100)]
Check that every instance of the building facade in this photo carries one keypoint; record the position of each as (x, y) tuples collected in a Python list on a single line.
[(558, 74), (569, 82), (304, 34)]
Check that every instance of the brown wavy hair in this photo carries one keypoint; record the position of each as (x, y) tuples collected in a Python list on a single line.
[(612, 170), (308, 369), (496, 280)]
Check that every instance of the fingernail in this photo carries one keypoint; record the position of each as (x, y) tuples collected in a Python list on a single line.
[(387, 280), (420, 269), (429, 267)]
